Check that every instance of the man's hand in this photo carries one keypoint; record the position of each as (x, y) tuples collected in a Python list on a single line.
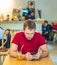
[(37, 56), (45, 33), (29, 56)]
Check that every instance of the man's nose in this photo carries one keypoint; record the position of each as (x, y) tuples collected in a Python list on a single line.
[(30, 35)]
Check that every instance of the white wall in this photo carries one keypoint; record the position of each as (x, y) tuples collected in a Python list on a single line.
[(19, 26), (48, 8)]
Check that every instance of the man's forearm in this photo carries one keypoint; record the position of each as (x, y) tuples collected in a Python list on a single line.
[(44, 54), (15, 54)]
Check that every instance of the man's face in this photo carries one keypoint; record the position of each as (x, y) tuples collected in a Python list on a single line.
[(46, 24), (29, 33), (32, 14)]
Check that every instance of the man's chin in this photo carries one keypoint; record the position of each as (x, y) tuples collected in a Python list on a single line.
[(29, 38)]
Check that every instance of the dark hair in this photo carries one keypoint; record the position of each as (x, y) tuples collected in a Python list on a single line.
[(9, 35), (8, 30), (45, 21), (30, 24)]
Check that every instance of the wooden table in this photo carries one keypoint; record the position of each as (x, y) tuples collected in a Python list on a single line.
[(13, 61), (3, 53)]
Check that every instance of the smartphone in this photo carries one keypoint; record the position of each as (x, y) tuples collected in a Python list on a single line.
[(33, 53)]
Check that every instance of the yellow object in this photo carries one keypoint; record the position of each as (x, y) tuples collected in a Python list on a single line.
[(13, 61), (12, 16), (19, 56)]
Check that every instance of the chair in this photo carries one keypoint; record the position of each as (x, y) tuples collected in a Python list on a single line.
[(3, 53)]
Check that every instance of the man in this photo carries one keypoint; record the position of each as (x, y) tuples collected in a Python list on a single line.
[(28, 42), (45, 30), (31, 16)]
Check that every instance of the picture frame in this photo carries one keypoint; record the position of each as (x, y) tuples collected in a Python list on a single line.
[(31, 4)]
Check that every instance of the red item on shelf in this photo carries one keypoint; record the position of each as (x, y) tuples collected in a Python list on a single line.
[(54, 25)]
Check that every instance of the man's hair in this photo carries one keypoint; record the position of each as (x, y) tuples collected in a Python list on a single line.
[(30, 24)]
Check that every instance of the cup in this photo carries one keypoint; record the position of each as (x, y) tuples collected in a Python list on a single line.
[(19, 56)]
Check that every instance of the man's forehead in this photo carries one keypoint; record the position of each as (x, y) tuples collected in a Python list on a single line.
[(27, 28)]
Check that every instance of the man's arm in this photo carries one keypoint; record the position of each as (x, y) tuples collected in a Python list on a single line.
[(13, 52), (44, 52)]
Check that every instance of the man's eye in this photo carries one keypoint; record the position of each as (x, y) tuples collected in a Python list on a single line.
[(27, 33)]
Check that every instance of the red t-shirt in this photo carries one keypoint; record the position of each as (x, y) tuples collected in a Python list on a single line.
[(28, 45)]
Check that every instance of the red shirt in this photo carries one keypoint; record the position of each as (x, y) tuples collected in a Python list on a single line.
[(28, 45)]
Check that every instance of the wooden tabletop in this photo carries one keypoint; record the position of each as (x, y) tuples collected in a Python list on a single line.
[(14, 61)]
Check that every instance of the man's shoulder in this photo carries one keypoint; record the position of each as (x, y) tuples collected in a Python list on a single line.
[(37, 33)]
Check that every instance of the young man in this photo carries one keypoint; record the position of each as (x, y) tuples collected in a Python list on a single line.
[(28, 42), (45, 30)]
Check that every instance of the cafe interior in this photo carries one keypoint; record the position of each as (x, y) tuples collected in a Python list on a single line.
[(13, 14)]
